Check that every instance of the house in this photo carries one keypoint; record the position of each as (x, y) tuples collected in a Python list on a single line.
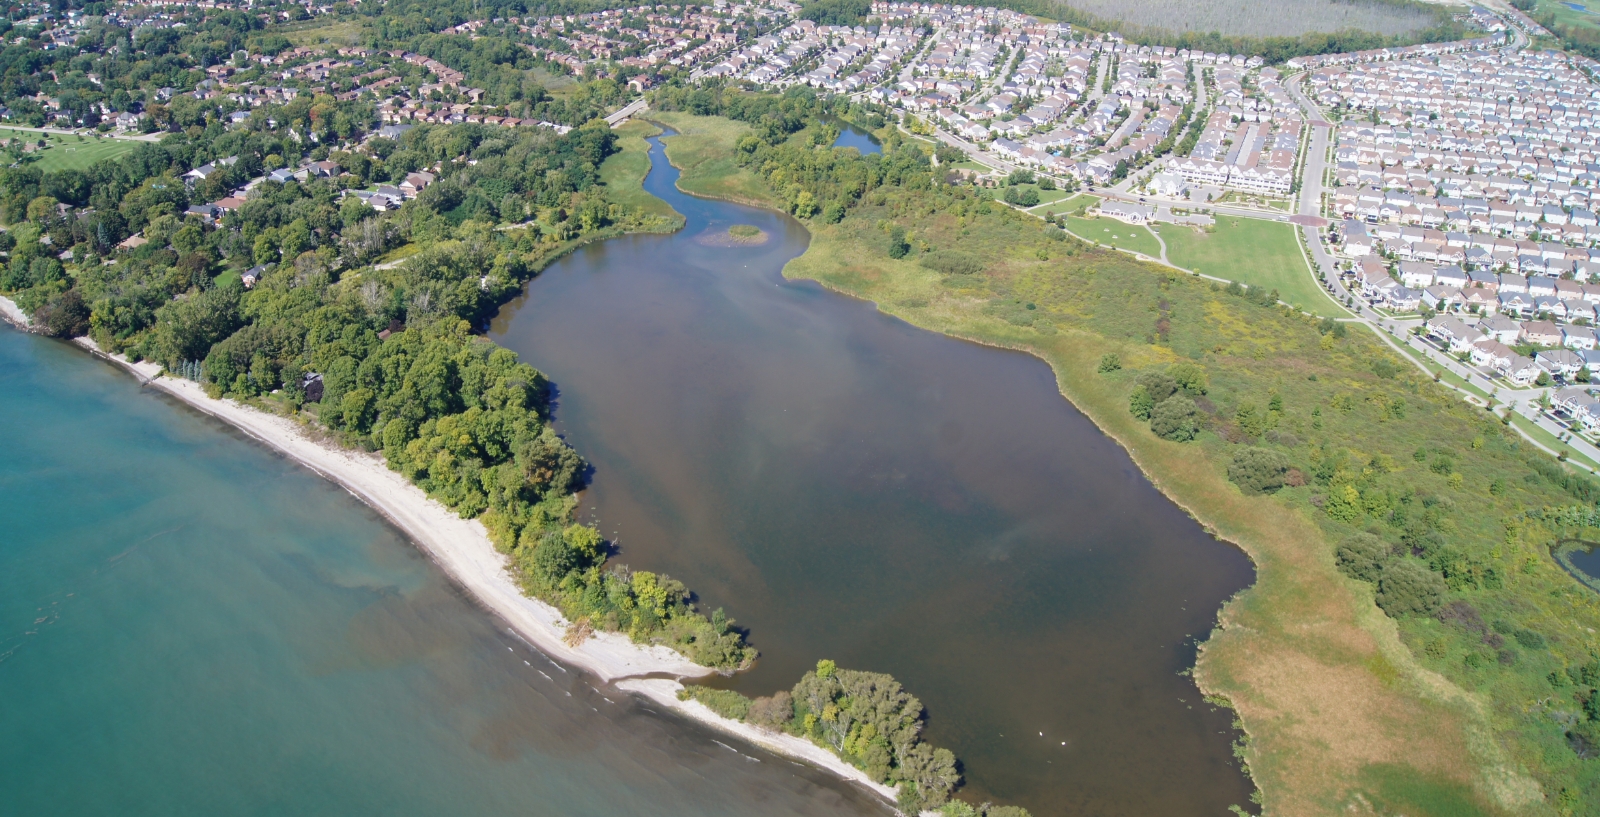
[(227, 205), (282, 175), (1455, 334), (325, 170), (1562, 363), (1520, 370), (1416, 274), (1170, 185), (1540, 333), (1403, 299), (209, 212), (1577, 337), (1541, 286), (1491, 353), (1500, 328), (250, 276), (415, 183), (1451, 276), (1514, 303), (1440, 298)]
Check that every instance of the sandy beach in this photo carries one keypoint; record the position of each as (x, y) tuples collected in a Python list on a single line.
[(13, 314), (463, 549)]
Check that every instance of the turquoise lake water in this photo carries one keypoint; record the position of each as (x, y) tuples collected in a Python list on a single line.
[(190, 624)]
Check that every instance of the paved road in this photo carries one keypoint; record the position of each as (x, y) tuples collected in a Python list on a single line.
[(637, 106)]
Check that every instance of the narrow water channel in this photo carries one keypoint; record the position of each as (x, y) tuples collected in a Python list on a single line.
[(851, 487)]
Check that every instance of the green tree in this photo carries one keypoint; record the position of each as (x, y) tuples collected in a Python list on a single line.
[(1406, 587), (1258, 470), (1174, 419)]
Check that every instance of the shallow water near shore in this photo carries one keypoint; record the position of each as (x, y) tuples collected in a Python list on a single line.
[(852, 487), (190, 624)]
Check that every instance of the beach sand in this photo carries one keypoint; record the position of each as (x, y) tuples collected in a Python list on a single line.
[(463, 549)]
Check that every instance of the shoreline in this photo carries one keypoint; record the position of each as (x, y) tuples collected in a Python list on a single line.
[(462, 549)]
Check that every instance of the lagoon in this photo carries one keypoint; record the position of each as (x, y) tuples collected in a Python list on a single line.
[(850, 487)]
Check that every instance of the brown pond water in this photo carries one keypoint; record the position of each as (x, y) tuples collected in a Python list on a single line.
[(851, 487)]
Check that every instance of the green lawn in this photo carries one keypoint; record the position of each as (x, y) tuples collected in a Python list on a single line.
[(1114, 233), (1566, 15), (623, 173), (70, 152), (1250, 251), (1064, 203)]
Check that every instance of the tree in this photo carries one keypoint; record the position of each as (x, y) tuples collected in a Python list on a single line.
[(1362, 556), (1140, 403), (1258, 470), (65, 315), (1174, 419), (1406, 587), (898, 246)]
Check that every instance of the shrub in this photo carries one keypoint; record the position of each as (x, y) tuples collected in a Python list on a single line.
[(1110, 363), (952, 263), (772, 713), (1362, 556), (724, 702), (1173, 419), (1190, 377), (1408, 588), (1530, 640), (65, 315), (1258, 470), (1140, 403), (1158, 384)]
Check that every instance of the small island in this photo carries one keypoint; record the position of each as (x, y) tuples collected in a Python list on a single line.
[(739, 235)]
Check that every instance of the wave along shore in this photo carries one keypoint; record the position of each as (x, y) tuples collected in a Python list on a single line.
[(461, 547)]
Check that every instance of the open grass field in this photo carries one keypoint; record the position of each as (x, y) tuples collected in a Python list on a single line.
[(703, 150), (1347, 709), (1251, 18), (553, 82), (1114, 233), (1063, 203), (336, 33), (70, 152), (623, 173), (1586, 13), (1254, 252)]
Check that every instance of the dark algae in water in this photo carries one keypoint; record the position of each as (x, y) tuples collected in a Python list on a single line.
[(852, 488)]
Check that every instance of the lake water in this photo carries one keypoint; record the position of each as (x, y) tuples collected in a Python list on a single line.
[(1586, 560), (191, 625), (851, 487), (851, 136)]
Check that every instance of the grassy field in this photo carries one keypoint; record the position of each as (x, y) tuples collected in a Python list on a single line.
[(703, 150), (1347, 710), (1114, 233), (1250, 251), (1565, 14), (70, 152), (1065, 204), (552, 82), (337, 33), (623, 173), (1288, 18)]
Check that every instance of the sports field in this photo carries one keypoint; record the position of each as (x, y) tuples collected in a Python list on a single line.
[(1251, 251), (64, 152)]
